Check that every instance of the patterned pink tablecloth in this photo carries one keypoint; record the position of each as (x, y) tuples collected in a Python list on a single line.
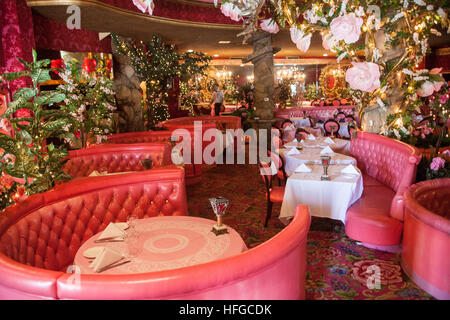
[(168, 243)]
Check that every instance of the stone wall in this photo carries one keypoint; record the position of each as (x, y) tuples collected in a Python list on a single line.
[(128, 94)]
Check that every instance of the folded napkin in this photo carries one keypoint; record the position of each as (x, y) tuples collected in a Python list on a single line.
[(329, 140), (350, 169), (112, 231), (293, 151), (105, 258), (327, 150), (311, 137), (303, 168), (95, 173), (294, 141)]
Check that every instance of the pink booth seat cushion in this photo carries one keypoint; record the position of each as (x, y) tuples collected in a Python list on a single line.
[(273, 270), (426, 237), (116, 158), (40, 236), (389, 168)]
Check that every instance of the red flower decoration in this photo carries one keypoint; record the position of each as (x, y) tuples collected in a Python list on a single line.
[(109, 65), (58, 64), (89, 65)]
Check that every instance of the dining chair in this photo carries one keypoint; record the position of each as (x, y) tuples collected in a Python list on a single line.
[(331, 125), (286, 123), (340, 117), (276, 142), (349, 118), (281, 173), (273, 194)]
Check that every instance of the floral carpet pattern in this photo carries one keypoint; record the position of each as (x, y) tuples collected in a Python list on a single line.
[(337, 267)]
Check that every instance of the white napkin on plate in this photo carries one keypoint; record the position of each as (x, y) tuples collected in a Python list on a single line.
[(105, 258), (329, 140), (350, 169), (327, 150), (293, 151), (112, 231), (311, 137), (303, 168)]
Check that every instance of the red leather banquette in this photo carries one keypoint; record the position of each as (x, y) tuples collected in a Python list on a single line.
[(389, 168), (40, 236), (426, 236), (116, 158)]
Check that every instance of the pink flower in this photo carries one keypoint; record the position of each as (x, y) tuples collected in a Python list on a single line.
[(328, 41), (230, 10), (443, 98), (437, 164), (270, 26), (300, 39), (426, 89), (347, 28), (364, 76), (145, 5), (446, 153), (437, 85)]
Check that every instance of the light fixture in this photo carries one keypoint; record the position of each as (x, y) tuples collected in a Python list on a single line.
[(190, 50), (216, 55), (325, 54), (224, 41)]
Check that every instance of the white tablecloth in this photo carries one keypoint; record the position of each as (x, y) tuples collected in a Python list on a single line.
[(301, 122), (340, 145), (312, 156), (329, 199)]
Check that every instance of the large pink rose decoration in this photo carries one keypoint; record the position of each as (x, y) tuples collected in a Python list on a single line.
[(270, 26), (300, 39), (145, 5), (437, 163), (364, 76), (426, 89), (347, 28), (230, 10)]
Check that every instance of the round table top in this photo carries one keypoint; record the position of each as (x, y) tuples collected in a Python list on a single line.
[(168, 243)]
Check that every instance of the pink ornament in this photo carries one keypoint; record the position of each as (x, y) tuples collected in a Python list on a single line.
[(347, 28), (364, 76), (270, 26)]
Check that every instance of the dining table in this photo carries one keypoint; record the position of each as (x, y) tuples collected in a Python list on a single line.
[(164, 243), (325, 198)]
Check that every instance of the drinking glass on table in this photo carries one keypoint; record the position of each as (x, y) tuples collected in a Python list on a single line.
[(132, 242)]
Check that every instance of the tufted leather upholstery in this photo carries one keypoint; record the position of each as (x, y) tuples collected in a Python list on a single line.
[(314, 112), (389, 168), (46, 230), (221, 122), (116, 158), (275, 269), (426, 237)]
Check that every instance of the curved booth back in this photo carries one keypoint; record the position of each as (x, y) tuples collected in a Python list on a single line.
[(275, 269), (40, 236), (221, 122), (390, 162), (426, 236), (116, 158)]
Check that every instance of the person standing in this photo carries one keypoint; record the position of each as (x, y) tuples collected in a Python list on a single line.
[(217, 99)]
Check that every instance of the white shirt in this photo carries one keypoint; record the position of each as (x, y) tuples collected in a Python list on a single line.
[(217, 96)]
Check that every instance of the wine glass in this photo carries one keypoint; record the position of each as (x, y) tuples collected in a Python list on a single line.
[(325, 160), (219, 206)]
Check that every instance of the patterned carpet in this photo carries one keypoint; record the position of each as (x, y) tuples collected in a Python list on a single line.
[(336, 265)]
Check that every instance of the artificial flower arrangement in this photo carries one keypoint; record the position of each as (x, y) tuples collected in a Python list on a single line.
[(439, 167), (31, 133), (89, 98), (384, 26)]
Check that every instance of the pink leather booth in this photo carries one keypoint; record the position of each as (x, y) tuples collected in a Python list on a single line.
[(314, 112), (275, 269), (117, 158), (389, 168), (426, 236), (40, 236), (193, 171), (221, 122)]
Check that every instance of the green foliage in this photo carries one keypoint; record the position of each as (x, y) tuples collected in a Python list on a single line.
[(25, 153), (157, 64)]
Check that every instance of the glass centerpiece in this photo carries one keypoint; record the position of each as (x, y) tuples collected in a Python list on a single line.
[(325, 163), (219, 206)]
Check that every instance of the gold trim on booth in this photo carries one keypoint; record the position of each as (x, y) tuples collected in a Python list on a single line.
[(443, 51)]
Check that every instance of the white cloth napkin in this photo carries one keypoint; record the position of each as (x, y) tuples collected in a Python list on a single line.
[(294, 141), (311, 137), (303, 168), (327, 150), (105, 258), (329, 140), (350, 169), (95, 173), (112, 231), (273, 168), (293, 151)]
